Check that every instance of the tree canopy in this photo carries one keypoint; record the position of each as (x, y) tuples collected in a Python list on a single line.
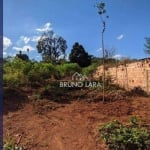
[(79, 55), (52, 47)]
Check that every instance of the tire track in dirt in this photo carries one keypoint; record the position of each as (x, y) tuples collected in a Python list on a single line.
[(71, 131)]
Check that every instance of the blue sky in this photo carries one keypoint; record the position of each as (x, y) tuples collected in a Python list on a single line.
[(76, 21)]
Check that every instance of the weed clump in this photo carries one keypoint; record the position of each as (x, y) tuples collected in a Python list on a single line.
[(125, 137)]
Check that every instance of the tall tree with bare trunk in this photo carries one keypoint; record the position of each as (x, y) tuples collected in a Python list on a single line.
[(102, 12)]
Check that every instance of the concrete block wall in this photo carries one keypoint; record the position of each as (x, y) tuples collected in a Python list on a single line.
[(129, 76)]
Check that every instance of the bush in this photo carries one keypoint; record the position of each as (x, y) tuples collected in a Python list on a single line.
[(13, 73), (12, 80), (40, 71), (10, 145), (138, 91), (120, 137), (17, 72), (27, 68), (68, 69), (89, 70), (14, 64)]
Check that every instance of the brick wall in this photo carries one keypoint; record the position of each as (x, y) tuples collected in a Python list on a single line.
[(136, 74)]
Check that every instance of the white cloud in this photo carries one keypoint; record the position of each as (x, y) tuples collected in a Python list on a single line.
[(25, 39), (6, 43), (4, 53), (117, 56), (17, 48), (46, 27), (99, 50), (24, 48), (35, 38), (67, 57), (120, 37)]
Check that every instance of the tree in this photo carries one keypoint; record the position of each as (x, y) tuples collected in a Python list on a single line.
[(22, 56), (109, 56), (109, 53), (51, 47), (79, 55), (101, 12), (147, 45)]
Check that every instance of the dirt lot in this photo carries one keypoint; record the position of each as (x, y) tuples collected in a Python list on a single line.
[(47, 125)]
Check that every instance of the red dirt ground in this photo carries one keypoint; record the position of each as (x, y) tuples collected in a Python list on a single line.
[(71, 126)]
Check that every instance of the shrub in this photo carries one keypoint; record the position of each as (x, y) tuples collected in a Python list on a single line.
[(40, 71), (17, 72), (9, 144), (138, 91), (52, 91), (27, 68), (12, 80), (120, 137), (13, 72), (14, 64), (89, 70), (68, 69)]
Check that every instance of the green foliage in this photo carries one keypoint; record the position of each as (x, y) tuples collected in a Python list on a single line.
[(27, 68), (120, 137), (18, 72), (14, 64), (51, 91), (51, 47), (97, 60), (101, 8), (79, 55), (13, 72), (41, 71), (37, 96), (89, 70), (12, 80), (68, 69), (9, 144)]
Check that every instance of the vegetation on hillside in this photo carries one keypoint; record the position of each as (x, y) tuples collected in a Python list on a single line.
[(20, 72), (125, 137)]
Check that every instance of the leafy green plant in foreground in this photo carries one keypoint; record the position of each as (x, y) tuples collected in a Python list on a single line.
[(120, 137), (10, 145)]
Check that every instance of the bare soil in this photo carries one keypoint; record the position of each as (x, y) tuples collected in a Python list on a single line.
[(50, 125)]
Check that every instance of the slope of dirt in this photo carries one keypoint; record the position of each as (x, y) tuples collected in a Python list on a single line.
[(72, 126)]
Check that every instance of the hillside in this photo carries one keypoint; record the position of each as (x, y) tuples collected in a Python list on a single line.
[(69, 124)]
